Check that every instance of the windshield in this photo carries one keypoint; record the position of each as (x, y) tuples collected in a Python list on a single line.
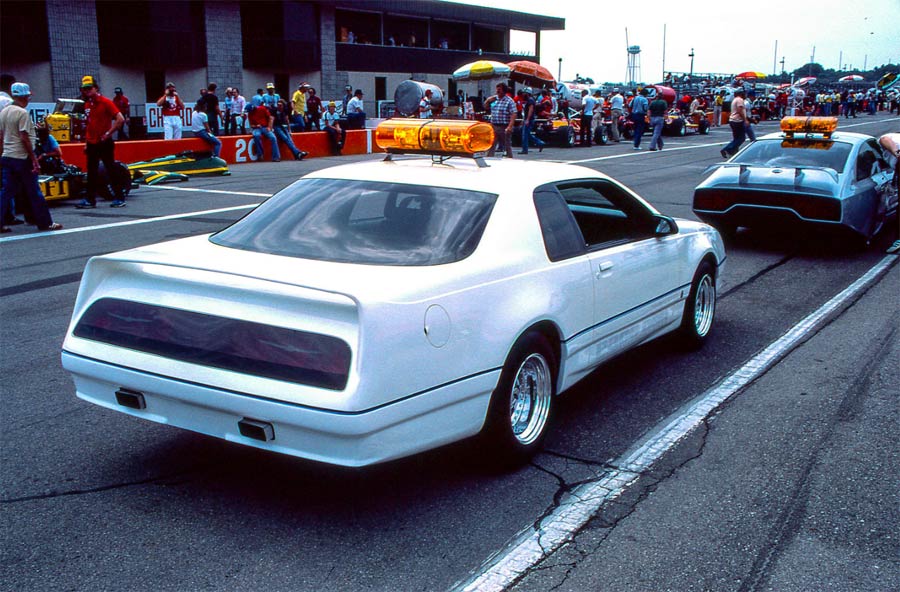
[(796, 153), (364, 222)]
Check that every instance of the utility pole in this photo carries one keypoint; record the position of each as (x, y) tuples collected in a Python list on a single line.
[(782, 65), (664, 53), (559, 73), (691, 55), (775, 60)]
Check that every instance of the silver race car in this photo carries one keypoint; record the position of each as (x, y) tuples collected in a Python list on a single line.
[(807, 175)]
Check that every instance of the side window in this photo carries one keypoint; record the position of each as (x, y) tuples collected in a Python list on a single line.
[(562, 238), (606, 213), (866, 163), (880, 157)]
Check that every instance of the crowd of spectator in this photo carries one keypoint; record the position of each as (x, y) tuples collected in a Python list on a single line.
[(266, 115)]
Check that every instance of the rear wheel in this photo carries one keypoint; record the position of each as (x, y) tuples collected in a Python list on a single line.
[(520, 407), (700, 307)]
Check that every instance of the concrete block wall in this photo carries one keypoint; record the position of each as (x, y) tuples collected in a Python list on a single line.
[(74, 45), (224, 54), (333, 82)]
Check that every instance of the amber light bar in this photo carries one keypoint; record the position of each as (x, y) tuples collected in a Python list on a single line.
[(809, 125), (436, 136)]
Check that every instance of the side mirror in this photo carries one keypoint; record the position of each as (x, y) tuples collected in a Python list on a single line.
[(664, 226)]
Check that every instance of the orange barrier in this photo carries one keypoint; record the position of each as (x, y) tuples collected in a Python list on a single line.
[(235, 149)]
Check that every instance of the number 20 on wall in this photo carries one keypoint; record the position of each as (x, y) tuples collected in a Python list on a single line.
[(244, 149)]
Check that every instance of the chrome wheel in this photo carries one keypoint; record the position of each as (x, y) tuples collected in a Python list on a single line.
[(704, 305), (530, 398)]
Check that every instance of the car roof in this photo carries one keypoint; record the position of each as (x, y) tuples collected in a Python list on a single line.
[(501, 175), (847, 137)]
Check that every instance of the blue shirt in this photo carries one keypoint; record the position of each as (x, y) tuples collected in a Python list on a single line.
[(639, 105)]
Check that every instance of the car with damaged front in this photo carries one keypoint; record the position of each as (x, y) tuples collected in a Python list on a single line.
[(808, 176), (371, 311)]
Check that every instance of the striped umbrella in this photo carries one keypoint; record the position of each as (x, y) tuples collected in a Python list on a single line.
[(751, 75), (851, 78), (482, 70)]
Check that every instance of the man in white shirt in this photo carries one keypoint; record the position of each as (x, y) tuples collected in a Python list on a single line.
[(201, 129), (425, 105), (20, 166), (616, 108), (356, 115), (587, 115)]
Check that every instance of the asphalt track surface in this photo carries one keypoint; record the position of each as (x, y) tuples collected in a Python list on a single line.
[(791, 485)]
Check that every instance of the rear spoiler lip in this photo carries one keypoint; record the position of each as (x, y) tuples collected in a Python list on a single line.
[(798, 170)]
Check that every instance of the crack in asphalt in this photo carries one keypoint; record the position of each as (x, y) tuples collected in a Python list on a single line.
[(170, 479), (756, 276), (564, 488), (790, 520)]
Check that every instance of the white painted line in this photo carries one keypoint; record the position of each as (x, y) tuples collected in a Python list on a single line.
[(64, 231), (643, 152), (695, 146), (201, 190), (531, 546)]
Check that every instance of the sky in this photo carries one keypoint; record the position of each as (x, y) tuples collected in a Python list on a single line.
[(856, 33)]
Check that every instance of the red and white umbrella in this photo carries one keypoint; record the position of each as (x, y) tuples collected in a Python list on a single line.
[(531, 73), (805, 81), (851, 78)]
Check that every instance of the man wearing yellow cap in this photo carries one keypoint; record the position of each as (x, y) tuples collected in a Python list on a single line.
[(298, 108), (103, 119)]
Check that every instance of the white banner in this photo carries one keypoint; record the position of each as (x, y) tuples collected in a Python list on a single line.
[(155, 119)]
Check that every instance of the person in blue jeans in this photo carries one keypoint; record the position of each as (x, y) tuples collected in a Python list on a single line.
[(639, 107), (201, 129), (658, 109), (738, 121), (282, 129), (261, 122), (528, 118)]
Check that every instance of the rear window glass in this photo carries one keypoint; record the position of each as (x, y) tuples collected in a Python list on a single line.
[(779, 153), (364, 222)]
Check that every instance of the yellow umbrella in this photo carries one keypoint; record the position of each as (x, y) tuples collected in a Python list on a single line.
[(481, 70)]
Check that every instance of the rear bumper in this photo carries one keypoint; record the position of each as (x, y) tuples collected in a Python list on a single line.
[(414, 424), (760, 216)]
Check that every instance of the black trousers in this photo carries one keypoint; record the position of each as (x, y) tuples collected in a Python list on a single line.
[(102, 151)]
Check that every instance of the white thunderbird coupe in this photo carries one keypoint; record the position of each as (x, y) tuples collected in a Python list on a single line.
[(371, 311)]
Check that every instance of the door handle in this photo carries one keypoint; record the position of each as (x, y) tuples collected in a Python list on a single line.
[(603, 268)]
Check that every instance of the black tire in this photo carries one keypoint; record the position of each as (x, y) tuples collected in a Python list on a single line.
[(680, 128), (600, 135), (521, 406), (628, 133), (700, 308), (565, 136), (703, 128)]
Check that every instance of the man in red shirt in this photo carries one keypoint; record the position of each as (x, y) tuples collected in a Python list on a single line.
[(103, 119), (124, 106)]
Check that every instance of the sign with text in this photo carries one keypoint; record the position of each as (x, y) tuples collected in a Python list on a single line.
[(155, 118), (39, 111)]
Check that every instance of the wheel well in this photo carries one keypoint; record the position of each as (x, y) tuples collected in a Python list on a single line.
[(550, 332), (711, 259)]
